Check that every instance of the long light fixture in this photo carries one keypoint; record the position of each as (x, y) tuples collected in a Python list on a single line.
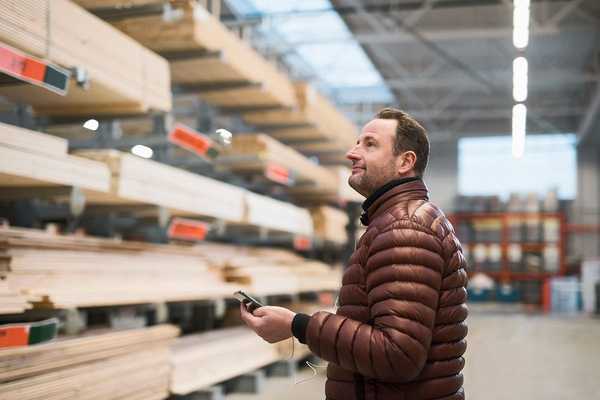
[(142, 151), (521, 23), (520, 78), (519, 123), (521, 15)]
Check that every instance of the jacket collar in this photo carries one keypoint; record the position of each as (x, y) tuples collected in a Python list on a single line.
[(412, 188)]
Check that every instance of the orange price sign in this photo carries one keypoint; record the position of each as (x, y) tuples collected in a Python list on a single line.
[(193, 141), (302, 243), (187, 229)]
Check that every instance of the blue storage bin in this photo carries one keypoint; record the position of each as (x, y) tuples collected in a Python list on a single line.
[(506, 293), (478, 295)]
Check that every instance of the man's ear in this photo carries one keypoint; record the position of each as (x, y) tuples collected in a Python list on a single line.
[(406, 162)]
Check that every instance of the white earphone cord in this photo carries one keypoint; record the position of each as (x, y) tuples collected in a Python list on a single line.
[(310, 365)]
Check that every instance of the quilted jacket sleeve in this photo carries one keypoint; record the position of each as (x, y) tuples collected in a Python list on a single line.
[(404, 271)]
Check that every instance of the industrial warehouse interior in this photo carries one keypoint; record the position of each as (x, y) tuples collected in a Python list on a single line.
[(159, 156)]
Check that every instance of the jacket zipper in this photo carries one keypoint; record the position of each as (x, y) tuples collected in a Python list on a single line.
[(359, 386)]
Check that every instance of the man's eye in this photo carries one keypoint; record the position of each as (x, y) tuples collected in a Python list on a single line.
[(370, 144)]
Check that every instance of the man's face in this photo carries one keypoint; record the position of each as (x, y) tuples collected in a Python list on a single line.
[(373, 160)]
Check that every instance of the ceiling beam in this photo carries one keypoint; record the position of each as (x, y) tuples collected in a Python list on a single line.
[(539, 79), (591, 118), (436, 35)]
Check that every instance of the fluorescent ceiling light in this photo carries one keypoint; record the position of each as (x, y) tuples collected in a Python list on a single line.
[(521, 23), (91, 124), (519, 123), (142, 151), (520, 79)]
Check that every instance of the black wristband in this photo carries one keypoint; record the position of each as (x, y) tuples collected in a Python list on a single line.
[(299, 326)]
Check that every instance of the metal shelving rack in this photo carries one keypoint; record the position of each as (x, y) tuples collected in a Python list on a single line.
[(504, 274)]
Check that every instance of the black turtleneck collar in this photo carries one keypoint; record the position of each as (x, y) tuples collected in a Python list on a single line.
[(364, 218)]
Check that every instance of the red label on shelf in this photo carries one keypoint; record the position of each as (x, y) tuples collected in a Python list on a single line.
[(32, 70), (12, 336), (302, 242), (187, 229), (278, 174), (190, 140)]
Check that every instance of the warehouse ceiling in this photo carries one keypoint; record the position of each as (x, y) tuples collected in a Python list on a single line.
[(449, 62)]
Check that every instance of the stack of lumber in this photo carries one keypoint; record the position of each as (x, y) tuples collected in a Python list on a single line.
[(309, 275), (330, 224), (33, 159), (261, 277), (205, 359), (137, 180), (277, 215), (99, 4), (320, 127), (254, 152), (131, 364), (11, 302), (202, 51), (125, 77), (267, 271), (340, 192), (69, 271)]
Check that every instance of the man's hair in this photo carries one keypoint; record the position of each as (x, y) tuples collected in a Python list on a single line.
[(410, 136)]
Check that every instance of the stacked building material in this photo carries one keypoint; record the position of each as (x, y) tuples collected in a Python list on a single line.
[(202, 360), (124, 77), (67, 271), (137, 180), (92, 366), (32, 159)]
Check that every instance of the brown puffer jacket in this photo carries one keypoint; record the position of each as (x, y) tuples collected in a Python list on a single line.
[(399, 332)]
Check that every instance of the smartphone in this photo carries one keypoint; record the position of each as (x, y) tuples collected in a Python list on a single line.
[(250, 303)]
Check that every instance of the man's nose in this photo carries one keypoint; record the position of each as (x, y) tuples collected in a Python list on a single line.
[(352, 154)]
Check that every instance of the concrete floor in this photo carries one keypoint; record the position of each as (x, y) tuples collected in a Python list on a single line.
[(511, 355)]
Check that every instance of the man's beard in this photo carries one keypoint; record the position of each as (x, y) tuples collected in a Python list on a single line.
[(366, 183)]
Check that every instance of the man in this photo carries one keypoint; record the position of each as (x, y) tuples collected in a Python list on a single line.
[(399, 331)]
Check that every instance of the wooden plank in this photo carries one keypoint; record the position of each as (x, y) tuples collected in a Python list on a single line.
[(11, 302), (198, 30), (23, 168), (95, 4), (59, 272), (326, 123), (254, 152), (278, 215), (125, 77), (91, 367), (205, 359), (330, 223), (25, 139), (150, 182)]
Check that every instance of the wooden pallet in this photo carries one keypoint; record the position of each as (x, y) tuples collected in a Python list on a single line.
[(205, 359), (91, 367), (136, 180), (68, 272), (226, 58), (124, 76), (32, 159)]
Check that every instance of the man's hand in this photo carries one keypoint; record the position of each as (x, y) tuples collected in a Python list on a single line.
[(273, 324)]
